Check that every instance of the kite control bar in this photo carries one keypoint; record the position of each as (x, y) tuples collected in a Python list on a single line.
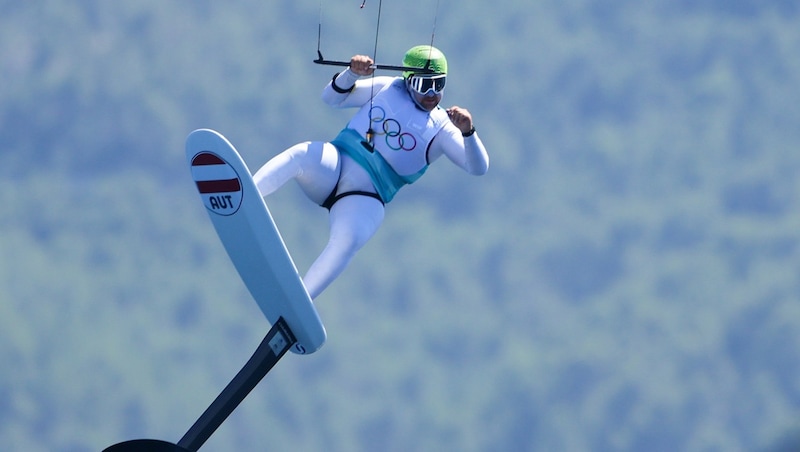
[(385, 67)]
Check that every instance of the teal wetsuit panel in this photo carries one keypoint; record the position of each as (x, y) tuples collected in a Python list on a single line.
[(386, 180)]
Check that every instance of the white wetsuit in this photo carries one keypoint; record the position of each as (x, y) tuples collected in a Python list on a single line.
[(407, 140)]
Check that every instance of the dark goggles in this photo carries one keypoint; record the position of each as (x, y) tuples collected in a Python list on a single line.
[(425, 84)]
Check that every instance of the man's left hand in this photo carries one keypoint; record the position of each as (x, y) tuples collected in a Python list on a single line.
[(461, 118)]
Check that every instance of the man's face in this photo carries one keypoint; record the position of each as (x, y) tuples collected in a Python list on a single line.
[(427, 90)]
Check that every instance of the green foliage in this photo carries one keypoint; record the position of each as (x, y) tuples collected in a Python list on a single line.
[(625, 277)]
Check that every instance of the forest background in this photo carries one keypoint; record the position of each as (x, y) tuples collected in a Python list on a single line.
[(625, 278)]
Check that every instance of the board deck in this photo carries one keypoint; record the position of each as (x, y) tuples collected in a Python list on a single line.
[(246, 228)]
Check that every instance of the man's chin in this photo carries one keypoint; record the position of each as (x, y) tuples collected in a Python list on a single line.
[(429, 104)]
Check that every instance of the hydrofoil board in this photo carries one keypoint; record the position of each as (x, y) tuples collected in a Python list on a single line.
[(248, 232)]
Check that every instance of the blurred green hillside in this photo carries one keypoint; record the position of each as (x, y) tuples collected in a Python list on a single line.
[(625, 278)]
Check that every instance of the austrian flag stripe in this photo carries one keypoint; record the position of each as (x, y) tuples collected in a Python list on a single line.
[(218, 186)]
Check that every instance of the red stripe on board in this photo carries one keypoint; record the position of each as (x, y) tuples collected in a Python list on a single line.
[(206, 158), (218, 186)]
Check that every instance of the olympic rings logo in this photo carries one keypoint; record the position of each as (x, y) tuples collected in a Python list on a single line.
[(395, 138)]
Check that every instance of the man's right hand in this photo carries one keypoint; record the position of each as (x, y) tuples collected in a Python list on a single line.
[(361, 65)]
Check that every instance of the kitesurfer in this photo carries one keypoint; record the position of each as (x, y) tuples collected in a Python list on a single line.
[(398, 131)]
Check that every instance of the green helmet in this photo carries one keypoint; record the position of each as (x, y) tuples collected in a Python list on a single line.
[(425, 57)]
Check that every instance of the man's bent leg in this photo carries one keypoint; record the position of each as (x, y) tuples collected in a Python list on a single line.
[(315, 165)]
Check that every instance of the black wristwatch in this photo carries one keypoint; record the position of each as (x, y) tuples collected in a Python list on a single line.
[(468, 134)]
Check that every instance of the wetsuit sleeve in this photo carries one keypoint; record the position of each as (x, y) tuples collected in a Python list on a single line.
[(344, 82), (466, 152), (347, 90)]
